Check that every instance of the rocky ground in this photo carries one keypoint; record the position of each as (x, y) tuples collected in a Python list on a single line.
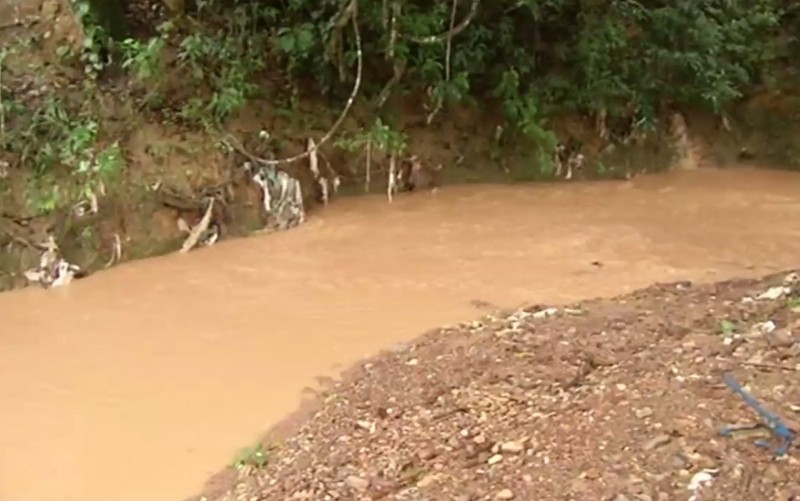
[(611, 399)]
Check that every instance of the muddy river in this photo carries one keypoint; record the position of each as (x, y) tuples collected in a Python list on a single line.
[(140, 382)]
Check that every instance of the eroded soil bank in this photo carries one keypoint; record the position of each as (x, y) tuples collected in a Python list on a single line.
[(607, 399)]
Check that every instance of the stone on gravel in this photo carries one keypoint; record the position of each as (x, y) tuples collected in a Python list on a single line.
[(504, 494), (512, 447)]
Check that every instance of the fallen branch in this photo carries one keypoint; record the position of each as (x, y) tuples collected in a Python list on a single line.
[(199, 229), (351, 13)]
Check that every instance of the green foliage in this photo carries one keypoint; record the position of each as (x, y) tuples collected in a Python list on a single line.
[(534, 57), (727, 327), (529, 59), (96, 38), (50, 138), (254, 456)]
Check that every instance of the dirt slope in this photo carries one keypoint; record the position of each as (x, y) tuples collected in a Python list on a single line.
[(618, 399)]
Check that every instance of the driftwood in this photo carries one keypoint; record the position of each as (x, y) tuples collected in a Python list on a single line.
[(199, 229)]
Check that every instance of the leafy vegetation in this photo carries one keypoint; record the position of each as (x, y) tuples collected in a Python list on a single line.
[(625, 62)]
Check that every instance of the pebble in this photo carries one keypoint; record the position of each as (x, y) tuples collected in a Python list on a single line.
[(357, 483), (495, 459), (644, 412), (512, 447), (428, 480), (504, 494), (366, 426)]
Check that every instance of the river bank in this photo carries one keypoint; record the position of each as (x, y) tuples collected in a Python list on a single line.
[(115, 158), (612, 399)]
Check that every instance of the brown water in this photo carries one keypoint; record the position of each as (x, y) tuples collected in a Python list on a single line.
[(138, 383)]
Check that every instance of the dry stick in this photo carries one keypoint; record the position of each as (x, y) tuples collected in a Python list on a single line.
[(352, 12), (313, 160), (198, 230), (448, 52)]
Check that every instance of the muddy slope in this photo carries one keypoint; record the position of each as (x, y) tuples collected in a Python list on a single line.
[(618, 399)]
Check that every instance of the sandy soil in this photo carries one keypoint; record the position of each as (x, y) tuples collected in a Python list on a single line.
[(613, 399)]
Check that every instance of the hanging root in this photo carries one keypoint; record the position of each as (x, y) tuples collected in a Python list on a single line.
[(368, 174), (448, 52), (350, 13), (391, 188), (313, 166), (686, 151), (199, 229), (601, 124)]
